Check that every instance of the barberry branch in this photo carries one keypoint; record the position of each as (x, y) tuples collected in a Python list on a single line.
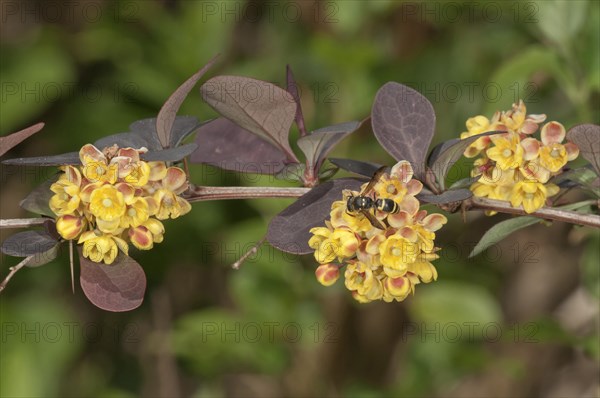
[(13, 270), (547, 213), (200, 193), (22, 222)]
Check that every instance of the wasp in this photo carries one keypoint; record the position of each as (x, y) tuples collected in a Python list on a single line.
[(364, 203)]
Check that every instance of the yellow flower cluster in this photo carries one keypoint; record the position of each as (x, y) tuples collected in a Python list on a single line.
[(514, 166), (381, 264), (115, 197)]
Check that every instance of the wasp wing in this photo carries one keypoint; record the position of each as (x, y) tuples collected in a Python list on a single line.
[(373, 220), (373, 181)]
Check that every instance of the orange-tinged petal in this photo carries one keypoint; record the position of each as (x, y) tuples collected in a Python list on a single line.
[(90, 154), (402, 171), (531, 148), (434, 222), (553, 133), (175, 179), (572, 151)]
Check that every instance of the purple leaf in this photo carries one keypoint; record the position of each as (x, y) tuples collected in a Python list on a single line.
[(37, 201), (366, 169), (224, 144), (454, 195), (403, 122), (12, 140), (258, 106), (317, 145), (182, 127), (171, 154), (28, 243), (587, 138), (53, 160), (292, 88), (117, 287), (444, 155), (289, 230), (166, 116)]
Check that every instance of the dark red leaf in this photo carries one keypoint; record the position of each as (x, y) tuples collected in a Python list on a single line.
[(117, 287), (292, 87), (366, 169), (317, 145), (28, 243), (53, 160), (257, 106), (12, 140), (587, 138), (289, 230), (38, 199), (166, 116), (224, 144), (403, 122), (170, 154), (454, 195)]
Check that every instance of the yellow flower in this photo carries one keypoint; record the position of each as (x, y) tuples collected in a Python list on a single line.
[(475, 126), (136, 214), (553, 157), (102, 247), (69, 227), (168, 203), (506, 152), (397, 288), (95, 165), (360, 278), (532, 195), (396, 253), (107, 203), (66, 199), (327, 274), (340, 243)]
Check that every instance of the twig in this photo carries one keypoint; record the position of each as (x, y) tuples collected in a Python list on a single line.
[(202, 193), (547, 213), (474, 203), (250, 252), (72, 266), (13, 270), (22, 222)]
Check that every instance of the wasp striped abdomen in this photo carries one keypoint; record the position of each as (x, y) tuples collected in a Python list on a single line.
[(387, 206)]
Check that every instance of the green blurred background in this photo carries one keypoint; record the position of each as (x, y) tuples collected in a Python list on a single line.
[(519, 320)]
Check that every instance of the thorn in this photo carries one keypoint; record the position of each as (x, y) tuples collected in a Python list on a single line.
[(250, 252), (72, 271)]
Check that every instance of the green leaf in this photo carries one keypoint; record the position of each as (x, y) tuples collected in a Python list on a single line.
[(513, 77), (501, 231), (507, 227), (560, 20)]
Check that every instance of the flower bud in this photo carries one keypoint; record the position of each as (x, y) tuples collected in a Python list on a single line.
[(327, 274), (69, 227)]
